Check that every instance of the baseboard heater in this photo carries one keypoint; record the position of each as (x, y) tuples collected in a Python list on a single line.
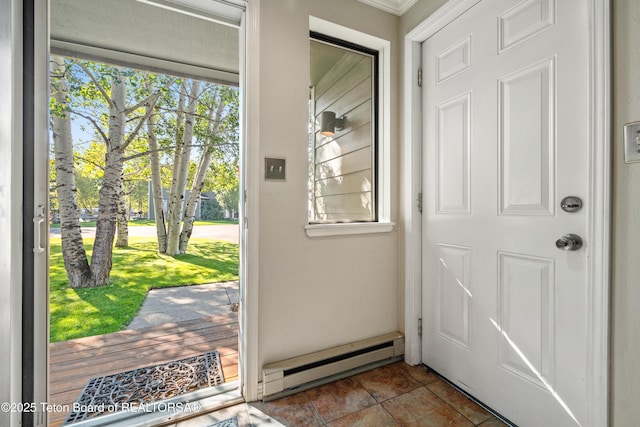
[(312, 369)]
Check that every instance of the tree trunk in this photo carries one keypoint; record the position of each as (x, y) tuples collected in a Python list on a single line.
[(181, 171), (73, 253), (173, 212), (156, 186), (102, 259), (194, 196), (201, 173), (122, 222)]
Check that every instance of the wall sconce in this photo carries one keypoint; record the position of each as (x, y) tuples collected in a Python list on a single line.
[(329, 124)]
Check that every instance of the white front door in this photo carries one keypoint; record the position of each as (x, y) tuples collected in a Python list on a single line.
[(506, 137)]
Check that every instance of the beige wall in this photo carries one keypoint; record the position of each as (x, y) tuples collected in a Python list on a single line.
[(315, 293), (625, 286)]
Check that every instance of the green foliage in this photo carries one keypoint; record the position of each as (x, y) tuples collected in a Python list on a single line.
[(90, 161), (53, 195), (138, 195), (87, 192), (226, 183), (76, 313), (57, 108), (211, 209)]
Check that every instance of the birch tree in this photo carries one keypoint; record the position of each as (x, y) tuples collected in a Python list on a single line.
[(122, 218), (101, 98), (212, 128), (205, 122), (73, 252), (102, 259), (182, 157), (156, 185)]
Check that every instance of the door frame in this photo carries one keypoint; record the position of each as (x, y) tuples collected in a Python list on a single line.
[(35, 387), (11, 209), (249, 370), (599, 192)]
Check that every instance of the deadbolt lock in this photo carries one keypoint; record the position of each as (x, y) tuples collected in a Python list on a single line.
[(571, 204)]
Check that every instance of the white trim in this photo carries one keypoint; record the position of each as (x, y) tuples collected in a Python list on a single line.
[(346, 229), (410, 187), (338, 31), (600, 212), (15, 190), (250, 214), (384, 105), (397, 7), (41, 207), (600, 193), (11, 207), (212, 11)]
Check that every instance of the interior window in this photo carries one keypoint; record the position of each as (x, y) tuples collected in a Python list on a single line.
[(342, 132)]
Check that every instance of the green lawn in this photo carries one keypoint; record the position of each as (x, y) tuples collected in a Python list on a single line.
[(76, 313), (138, 222)]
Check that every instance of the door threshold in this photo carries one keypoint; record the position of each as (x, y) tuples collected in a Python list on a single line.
[(170, 411)]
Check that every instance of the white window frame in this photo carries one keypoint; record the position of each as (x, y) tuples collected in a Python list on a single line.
[(383, 177)]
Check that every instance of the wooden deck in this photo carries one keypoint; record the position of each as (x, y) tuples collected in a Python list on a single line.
[(72, 363)]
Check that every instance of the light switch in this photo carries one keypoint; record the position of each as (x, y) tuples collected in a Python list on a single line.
[(274, 169), (632, 142)]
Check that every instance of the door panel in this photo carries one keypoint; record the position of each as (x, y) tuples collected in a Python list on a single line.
[(527, 157), (505, 122), (453, 155), (526, 289), (453, 298)]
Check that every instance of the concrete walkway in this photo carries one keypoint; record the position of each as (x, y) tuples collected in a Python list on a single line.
[(168, 305)]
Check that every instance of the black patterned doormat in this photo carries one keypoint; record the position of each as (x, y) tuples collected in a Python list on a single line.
[(138, 390)]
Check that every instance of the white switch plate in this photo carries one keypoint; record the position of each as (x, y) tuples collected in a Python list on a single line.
[(632, 142)]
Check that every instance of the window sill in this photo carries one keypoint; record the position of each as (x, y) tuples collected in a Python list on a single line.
[(346, 229)]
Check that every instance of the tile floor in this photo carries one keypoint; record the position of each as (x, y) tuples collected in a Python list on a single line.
[(394, 395)]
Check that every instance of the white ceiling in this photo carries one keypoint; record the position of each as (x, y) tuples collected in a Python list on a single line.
[(322, 58), (397, 7), (124, 31)]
